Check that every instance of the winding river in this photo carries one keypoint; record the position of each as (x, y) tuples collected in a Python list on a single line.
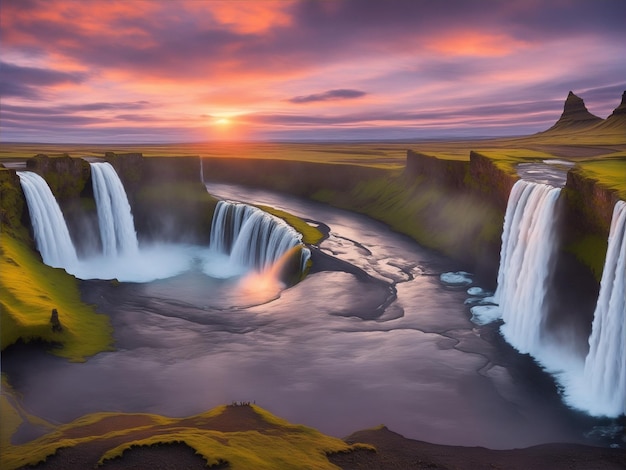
[(371, 336)]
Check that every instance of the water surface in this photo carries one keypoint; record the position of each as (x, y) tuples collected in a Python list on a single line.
[(371, 336)]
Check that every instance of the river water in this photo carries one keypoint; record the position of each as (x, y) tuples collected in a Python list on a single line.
[(371, 336)]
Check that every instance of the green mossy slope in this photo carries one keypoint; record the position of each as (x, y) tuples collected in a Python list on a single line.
[(310, 234), (29, 290), (454, 223)]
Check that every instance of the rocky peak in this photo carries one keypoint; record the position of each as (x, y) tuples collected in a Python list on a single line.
[(575, 111), (575, 115), (621, 109)]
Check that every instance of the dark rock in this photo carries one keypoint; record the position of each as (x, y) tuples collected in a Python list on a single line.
[(621, 109), (55, 322), (450, 173), (65, 175)]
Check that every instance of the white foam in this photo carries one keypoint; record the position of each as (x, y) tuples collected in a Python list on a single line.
[(484, 314), (159, 261), (458, 278)]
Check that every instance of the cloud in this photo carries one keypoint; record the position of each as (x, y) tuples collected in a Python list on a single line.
[(26, 82), (330, 95), (418, 60), (73, 108)]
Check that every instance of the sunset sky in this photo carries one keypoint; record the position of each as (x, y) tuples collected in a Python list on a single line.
[(184, 71)]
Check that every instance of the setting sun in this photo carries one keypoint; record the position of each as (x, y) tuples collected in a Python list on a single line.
[(222, 121)]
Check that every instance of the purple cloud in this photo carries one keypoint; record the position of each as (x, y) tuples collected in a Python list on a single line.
[(330, 95), (24, 82), (418, 60)]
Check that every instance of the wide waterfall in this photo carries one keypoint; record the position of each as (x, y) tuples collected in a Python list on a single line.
[(117, 228), (526, 259), (605, 365), (252, 237), (51, 234)]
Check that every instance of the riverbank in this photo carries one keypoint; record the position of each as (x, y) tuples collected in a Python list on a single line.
[(243, 436)]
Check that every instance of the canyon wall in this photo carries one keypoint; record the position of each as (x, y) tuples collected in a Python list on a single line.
[(455, 207), (168, 200)]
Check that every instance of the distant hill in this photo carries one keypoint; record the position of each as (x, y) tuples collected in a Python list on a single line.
[(575, 115), (576, 123), (617, 119)]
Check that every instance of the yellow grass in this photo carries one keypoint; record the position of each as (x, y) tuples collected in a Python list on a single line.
[(610, 172), (310, 234), (270, 444), (29, 290)]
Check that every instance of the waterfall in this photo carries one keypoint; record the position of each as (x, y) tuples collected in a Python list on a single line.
[(117, 229), (51, 234), (596, 385), (252, 237), (605, 365), (528, 246)]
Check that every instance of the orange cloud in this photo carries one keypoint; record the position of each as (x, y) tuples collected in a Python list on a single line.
[(476, 44), (255, 17)]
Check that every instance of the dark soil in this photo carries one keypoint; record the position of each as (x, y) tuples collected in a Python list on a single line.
[(395, 452)]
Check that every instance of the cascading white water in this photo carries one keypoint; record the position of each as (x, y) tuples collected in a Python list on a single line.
[(596, 385), (528, 246), (252, 237), (117, 228), (51, 234), (605, 365)]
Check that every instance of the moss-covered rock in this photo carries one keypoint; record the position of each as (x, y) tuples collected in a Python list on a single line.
[(65, 175), (12, 204)]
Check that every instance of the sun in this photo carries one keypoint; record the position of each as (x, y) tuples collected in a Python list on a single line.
[(222, 121)]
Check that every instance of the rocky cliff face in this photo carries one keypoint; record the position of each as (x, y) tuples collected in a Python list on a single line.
[(12, 204), (129, 167), (590, 205), (450, 173), (301, 179), (465, 198), (66, 176), (490, 181), (168, 199)]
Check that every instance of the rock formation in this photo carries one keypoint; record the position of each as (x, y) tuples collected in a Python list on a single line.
[(617, 119), (55, 323), (575, 115), (621, 109)]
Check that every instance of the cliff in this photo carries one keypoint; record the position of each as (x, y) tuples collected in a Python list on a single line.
[(455, 207), (450, 173), (590, 204), (490, 181), (169, 201), (12, 204), (167, 198), (429, 200), (303, 179), (66, 176)]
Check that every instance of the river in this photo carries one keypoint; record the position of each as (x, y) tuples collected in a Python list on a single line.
[(371, 336)]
